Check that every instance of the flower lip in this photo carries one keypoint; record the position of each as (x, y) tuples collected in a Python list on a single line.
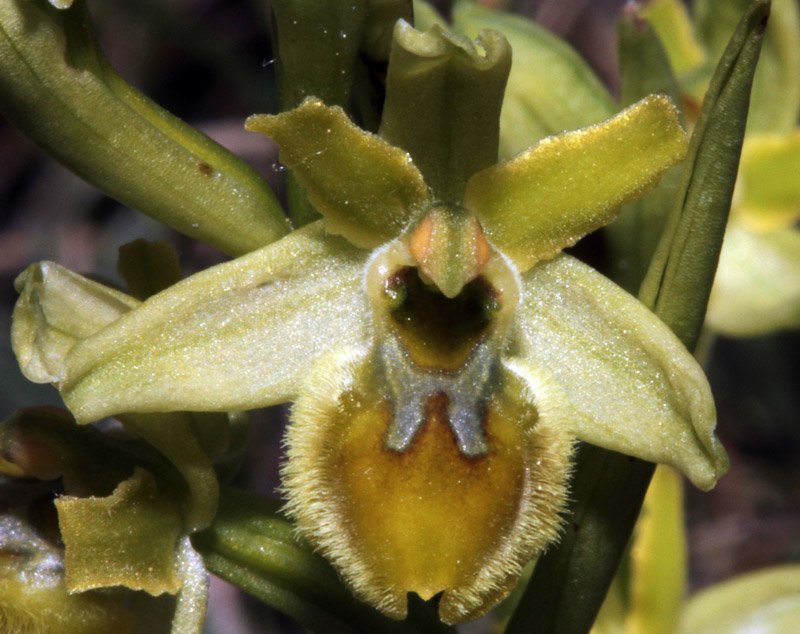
[(431, 346)]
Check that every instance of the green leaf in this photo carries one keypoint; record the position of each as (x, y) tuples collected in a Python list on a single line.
[(547, 198), (126, 539), (686, 259), (550, 89), (765, 601), (366, 189), (237, 336), (57, 87), (253, 546), (638, 392), (757, 287), (443, 98), (776, 91)]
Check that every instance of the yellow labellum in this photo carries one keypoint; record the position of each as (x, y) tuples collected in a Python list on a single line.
[(427, 519)]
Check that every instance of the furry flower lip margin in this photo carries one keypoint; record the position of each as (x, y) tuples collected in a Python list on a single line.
[(442, 353)]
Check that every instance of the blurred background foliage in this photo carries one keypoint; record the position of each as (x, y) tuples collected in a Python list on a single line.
[(210, 63)]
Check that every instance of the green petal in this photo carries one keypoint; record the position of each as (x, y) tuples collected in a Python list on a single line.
[(568, 185), (126, 539), (769, 179), (366, 189), (632, 385), (757, 287), (763, 601), (551, 88), (56, 309), (234, 337), (59, 89)]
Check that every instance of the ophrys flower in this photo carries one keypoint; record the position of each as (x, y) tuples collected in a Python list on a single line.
[(443, 354)]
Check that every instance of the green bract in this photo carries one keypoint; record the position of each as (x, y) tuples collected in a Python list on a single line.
[(442, 329), (757, 287)]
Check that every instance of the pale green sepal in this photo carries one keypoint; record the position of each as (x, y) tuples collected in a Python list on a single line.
[(57, 308), (444, 93), (128, 538), (757, 287), (237, 336), (631, 384), (566, 186), (366, 189), (59, 89), (769, 180), (550, 89), (776, 90), (766, 601), (670, 19)]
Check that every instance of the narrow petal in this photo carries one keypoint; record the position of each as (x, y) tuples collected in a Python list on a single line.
[(365, 188), (633, 386), (569, 185), (237, 336), (757, 287)]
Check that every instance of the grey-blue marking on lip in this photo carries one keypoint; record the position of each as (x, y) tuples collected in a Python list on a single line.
[(410, 386)]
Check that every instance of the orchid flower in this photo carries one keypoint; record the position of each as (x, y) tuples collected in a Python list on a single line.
[(442, 353)]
